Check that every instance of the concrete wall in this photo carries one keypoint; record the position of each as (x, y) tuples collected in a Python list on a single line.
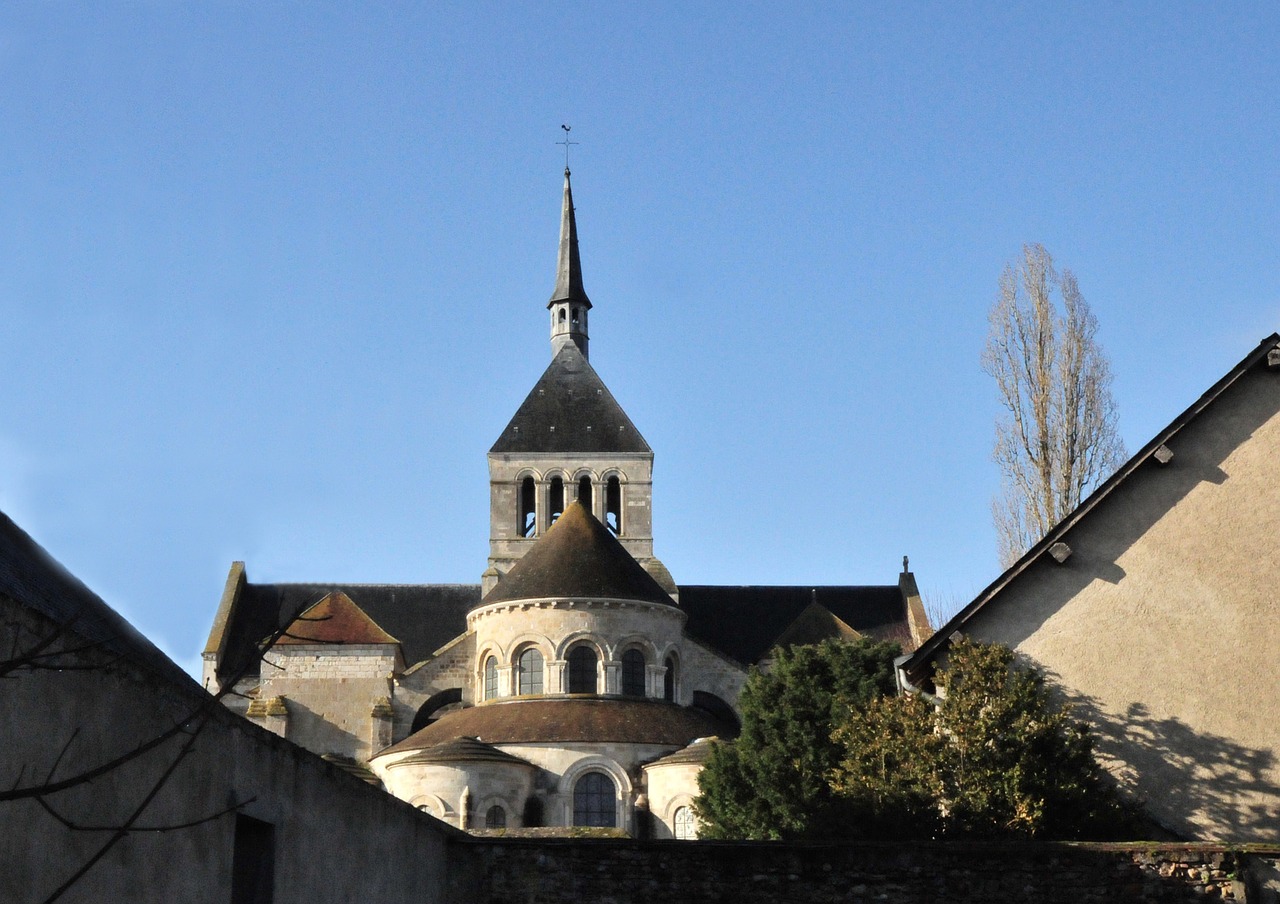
[(1162, 625), (334, 835)]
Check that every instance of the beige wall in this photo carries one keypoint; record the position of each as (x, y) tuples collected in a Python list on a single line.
[(1163, 623)]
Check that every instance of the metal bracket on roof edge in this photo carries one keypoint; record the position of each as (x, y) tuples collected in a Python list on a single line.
[(1060, 552), (1163, 455)]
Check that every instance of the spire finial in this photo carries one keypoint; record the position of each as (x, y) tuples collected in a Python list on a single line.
[(566, 143)]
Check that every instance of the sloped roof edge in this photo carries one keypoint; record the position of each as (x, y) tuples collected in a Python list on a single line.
[(931, 647)]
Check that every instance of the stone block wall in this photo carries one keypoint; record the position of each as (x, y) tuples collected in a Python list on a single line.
[(631, 872)]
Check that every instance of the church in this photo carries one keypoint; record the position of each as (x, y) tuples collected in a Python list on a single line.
[(578, 684)]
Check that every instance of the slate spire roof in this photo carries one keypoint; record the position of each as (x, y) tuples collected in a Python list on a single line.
[(568, 264), (570, 409), (577, 559)]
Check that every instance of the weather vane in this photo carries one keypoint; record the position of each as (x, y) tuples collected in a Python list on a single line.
[(566, 143)]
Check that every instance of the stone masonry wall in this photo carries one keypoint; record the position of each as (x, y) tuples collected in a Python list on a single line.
[(630, 872)]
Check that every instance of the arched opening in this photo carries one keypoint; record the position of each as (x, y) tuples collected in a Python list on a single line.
[(583, 670), (686, 828), (434, 708), (633, 673), (669, 681), (595, 801), (528, 521), (613, 505), (555, 499), (575, 317), (718, 708), (584, 491), (562, 315), (491, 678), (529, 672), (495, 818)]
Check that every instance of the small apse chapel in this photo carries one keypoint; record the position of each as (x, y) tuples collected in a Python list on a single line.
[(577, 683)]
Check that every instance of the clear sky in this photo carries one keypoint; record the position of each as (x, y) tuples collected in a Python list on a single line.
[(273, 275)]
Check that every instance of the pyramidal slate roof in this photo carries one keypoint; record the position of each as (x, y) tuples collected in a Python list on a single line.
[(578, 558), (570, 410), (335, 620)]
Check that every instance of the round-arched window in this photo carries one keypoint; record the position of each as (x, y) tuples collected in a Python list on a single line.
[(491, 678), (669, 681), (495, 818), (686, 827), (582, 670), (633, 673), (595, 801), (529, 665)]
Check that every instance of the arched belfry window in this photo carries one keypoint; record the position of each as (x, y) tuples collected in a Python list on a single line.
[(584, 491), (575, 316), (529, 667), (562, 315), (633, 673), (613, 505), (669, 681), (490, 678), (555, 499), (528, 522), (582, 670), (595, 801)]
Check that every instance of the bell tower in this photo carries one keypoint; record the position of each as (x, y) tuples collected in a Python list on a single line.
[(569, 441)]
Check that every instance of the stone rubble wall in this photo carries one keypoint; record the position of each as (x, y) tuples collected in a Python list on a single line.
[(631, 872)]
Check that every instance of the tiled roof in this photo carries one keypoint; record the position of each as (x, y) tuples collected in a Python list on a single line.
[(570, 410), (335, 620), (695, 754), (571, 720), (423, 617), (462, 750), (578, 558)]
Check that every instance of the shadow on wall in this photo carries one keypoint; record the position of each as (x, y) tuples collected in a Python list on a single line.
[(1123, 518), (1204, 780)]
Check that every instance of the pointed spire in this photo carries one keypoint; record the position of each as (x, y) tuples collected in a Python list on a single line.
[(568, 266)]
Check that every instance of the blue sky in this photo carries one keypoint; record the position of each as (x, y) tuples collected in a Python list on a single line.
[(273, 275)]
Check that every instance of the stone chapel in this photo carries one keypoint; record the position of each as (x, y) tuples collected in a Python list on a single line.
[(577, 684)]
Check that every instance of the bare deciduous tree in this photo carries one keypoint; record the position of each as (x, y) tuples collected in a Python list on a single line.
[(1057, 438)]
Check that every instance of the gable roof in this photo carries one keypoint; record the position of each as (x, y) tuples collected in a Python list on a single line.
[(335, 620), (570, 409), (577, 558), (33, 578), (422, 617), (1261, 356)]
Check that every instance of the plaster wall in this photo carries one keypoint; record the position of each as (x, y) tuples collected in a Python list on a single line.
[(1162, 625), (84, 717)]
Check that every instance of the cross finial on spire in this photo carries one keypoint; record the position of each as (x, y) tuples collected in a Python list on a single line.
[(566, 143)]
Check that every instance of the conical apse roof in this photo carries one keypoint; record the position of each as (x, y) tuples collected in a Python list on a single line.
[(578, 558)]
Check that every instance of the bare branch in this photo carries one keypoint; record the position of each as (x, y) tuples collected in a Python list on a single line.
[(1058, 438)]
